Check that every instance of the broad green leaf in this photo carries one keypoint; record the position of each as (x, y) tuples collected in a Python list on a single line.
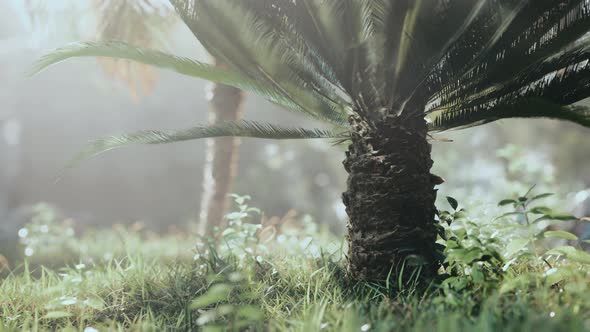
[(217, 293), (556, 216), (228, 232), (473, 255), (561, 234), (477, 275), (507, 201), (541, 210), (207, 317), (236, 215), (466, 256), (563, 216), (453, 202), (541, 196)]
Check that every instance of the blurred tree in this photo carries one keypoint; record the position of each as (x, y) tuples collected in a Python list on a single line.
[(146, 23), (222, 158), (383, 66), (140, 22), (151, 18)]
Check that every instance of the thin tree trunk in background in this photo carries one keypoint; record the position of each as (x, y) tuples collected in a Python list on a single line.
[(390, 199), (222, 159)]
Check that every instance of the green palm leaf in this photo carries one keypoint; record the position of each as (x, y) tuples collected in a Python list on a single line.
[(536, 65), (460, 62), (525, 108), (185, 66), (248, 37), (237, 129)]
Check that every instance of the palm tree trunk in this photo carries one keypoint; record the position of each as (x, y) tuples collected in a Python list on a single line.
[(390, 199), (222, 159)]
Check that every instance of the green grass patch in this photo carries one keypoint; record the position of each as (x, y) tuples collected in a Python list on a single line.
[(258, 278)]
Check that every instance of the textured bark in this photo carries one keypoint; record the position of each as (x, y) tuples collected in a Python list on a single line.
[(390, 199), (222, 159)]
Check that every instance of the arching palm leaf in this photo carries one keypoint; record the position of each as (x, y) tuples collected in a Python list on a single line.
[(526, 108), (189, 67), (238, 129), (462, 62), (537, 59), (471, 60)]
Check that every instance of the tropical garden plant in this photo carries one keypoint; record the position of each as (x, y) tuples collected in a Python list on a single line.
[(385, 76)]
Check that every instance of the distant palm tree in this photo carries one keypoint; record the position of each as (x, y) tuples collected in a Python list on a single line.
[(384, 74), (143, 23), (146, 23), (225, 105)]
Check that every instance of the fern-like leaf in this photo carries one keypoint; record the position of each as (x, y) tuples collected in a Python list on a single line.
[(236, 129), (185, 66), (525, 108)]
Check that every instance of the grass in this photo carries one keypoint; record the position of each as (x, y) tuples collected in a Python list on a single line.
[(282, 279)]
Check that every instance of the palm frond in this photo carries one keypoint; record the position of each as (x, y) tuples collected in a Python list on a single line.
[(122, 50), (266, 50), (459, 62), (539, 55), (182, 65), (455, 60), (236, 129), (525, 108)]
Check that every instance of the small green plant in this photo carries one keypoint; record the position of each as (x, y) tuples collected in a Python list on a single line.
[(472, 251), (486, 256), (532, 224), (240, 237), (249, 235), (536, 234)]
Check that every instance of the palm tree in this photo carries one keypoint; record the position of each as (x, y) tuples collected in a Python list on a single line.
[(384, 75)]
